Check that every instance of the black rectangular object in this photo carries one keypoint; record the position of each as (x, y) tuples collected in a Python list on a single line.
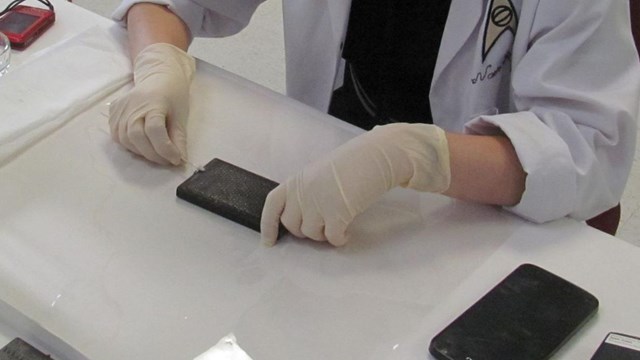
[(527, 316), (617, 346), (228, 190), (19, 349)]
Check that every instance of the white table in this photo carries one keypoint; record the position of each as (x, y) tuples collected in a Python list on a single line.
[(97, 250)]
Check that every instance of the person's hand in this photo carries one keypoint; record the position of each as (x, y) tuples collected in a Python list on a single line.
[(323, 199), (150, 119)]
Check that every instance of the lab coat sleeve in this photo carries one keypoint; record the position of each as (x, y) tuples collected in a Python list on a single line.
[(205, 18), (575, 96)]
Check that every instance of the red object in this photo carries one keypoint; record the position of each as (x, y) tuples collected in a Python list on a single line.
[(24, 24)]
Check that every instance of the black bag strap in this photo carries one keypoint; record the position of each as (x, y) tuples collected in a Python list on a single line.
[(15, 3)]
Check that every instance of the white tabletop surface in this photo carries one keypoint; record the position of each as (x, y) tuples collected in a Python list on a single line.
[(96, 249)]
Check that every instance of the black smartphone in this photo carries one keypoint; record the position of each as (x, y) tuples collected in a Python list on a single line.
[(527, 316), (617, 346), (228, 190)]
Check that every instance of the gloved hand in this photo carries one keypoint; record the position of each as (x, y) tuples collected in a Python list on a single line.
[(323, 199), (150, 119)]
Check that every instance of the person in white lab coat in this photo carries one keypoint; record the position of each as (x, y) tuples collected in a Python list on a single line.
[(534, 105)]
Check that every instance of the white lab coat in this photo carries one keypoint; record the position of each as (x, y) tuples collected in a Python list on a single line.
[(562, 81)]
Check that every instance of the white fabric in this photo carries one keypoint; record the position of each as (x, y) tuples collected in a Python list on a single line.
[(226, 349), (564, 85), (78, 72), (323, 199), (150, 119)]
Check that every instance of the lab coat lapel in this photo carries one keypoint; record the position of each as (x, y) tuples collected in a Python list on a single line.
[(314, 30), (339, 13), (465, 17)]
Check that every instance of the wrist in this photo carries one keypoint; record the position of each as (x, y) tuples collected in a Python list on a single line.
[(418, 155), (164, 58)]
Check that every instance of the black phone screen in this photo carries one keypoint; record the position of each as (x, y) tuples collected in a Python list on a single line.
[(527, 316), (16, 22)]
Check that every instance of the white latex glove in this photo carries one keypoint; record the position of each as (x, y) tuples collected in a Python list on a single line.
[(323, 199), (150, 119)]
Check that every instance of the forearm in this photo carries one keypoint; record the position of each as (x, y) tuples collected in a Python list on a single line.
[(151, 23), (485, 169)]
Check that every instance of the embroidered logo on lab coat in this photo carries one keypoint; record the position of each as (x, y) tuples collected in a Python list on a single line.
[(502, 17)]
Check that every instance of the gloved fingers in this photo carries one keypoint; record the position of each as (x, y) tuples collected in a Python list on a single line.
[(314, 232), (313, 226), (115, 117), (123, 137), (156, 129), (178, 136), (119, 119), (291, 216), (138, 138), (336, 232), (270, 218)]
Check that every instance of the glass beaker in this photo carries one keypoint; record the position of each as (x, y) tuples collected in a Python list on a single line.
[(5, 53)]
